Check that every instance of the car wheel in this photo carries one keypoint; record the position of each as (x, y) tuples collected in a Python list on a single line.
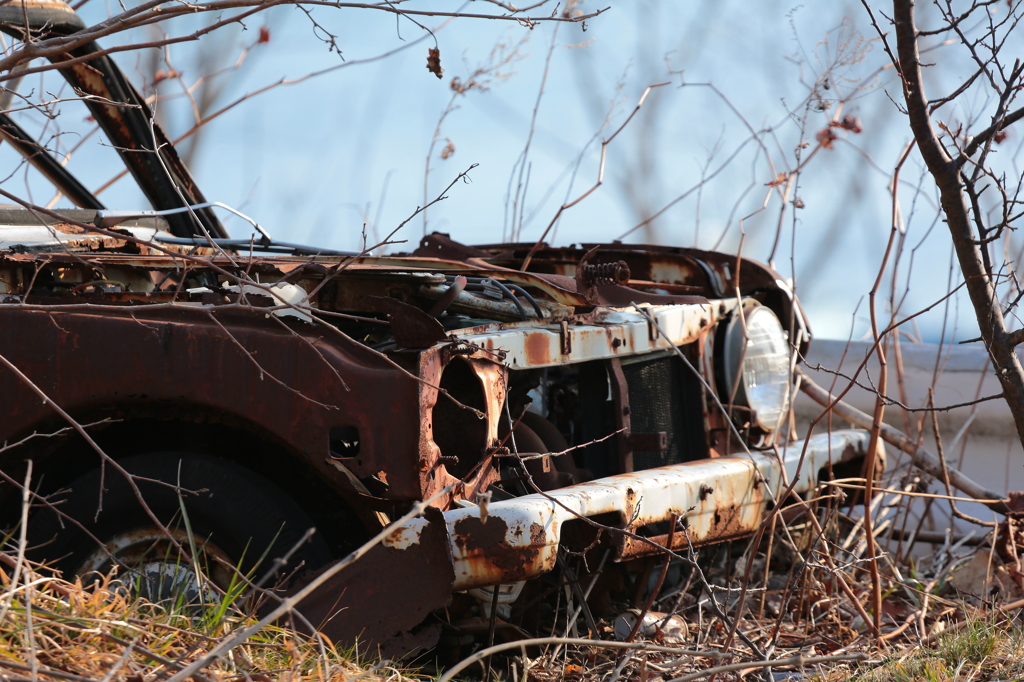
[(225, 516)]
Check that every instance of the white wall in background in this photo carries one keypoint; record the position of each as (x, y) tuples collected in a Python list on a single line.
[(987, 451)]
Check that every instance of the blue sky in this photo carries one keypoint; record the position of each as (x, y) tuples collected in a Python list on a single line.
[(314, 160)]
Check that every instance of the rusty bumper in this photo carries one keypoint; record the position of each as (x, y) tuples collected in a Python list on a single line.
[(713, 500)]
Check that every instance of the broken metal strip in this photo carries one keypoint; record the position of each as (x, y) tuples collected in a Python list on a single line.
[(716, 499), (614, 332), (36, 237)]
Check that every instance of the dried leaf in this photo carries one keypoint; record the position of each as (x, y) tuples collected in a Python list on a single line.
[(162, 75), (851, 123), (984, 579), (264, 35), (434, 61), (779, 179), (448, 150), (825, 137), (999, 137)]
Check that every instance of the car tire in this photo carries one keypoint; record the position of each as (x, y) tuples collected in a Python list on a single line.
[(231, 514)]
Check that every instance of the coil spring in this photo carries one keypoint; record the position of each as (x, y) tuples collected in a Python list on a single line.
[(600, 274), (462, 350)]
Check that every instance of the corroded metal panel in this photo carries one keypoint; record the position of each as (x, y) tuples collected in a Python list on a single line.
[(713, 500), (381, 598), (608, 333)]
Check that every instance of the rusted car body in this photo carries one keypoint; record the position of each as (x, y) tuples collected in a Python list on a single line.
[(546, 400)]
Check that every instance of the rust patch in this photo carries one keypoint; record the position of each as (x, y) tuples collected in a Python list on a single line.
[(487, 541), (67, 228), (537, 349), (393, 537), (728, 523)]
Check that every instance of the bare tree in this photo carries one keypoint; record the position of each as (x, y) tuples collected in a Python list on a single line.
[(979, 191)]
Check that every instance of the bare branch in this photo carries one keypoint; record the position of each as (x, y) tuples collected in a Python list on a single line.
[(921, 458), (600, 177)]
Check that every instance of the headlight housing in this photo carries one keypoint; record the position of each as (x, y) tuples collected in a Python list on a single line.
[(760, 361)]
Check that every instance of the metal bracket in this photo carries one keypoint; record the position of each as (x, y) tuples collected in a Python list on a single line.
[(646, 442)]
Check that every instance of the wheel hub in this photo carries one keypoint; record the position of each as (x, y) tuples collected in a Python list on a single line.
[(151, 567)]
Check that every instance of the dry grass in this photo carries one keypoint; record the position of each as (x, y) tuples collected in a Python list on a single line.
[(55, 630), (51, 629), (986, 648)]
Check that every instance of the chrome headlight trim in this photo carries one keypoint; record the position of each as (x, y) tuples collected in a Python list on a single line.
[(756, 365)]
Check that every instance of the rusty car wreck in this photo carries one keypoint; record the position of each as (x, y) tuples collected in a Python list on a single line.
[(552, 403)]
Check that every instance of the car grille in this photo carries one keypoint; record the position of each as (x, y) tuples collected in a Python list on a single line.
[(664, 395)]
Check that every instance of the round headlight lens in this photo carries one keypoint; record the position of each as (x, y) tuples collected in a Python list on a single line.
[(762, 361)]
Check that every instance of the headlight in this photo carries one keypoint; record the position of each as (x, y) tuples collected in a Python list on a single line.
[(763, 367)]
